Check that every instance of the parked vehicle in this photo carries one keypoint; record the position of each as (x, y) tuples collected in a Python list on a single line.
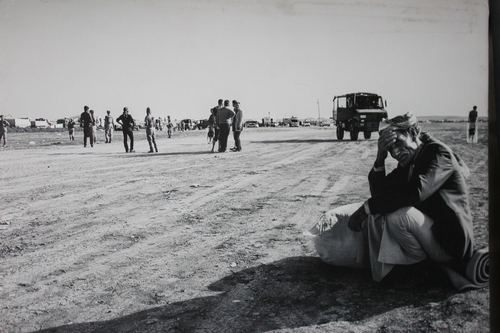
[(268, 122), (189, 124), (202, 124), (40, 123), (358, 112), (251, 123), (19, 122)]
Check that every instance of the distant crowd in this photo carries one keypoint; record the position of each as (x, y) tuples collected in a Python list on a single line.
[(89, 123), (222, 119), (220, 122)]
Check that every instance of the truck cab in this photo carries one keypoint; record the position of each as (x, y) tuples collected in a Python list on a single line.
[(358, 112)]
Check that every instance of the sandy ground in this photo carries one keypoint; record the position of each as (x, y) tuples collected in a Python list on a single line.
[(97, 240)]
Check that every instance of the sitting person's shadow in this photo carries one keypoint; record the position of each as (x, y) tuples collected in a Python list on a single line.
[(290, 293)]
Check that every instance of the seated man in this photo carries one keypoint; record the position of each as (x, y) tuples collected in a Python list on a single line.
[(419, 210)]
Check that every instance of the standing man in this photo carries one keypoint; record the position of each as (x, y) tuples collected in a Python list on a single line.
[(158, 124), (224, 117), (472, 124), (169, 127), (86, 123), (128, 124), (71, 129), (212, 121), (109, 124), (237, 125), (216, 127), (3, 129), (150, 130), (94, 126)]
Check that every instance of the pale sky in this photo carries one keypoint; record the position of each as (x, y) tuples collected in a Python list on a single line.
[(178, 57)]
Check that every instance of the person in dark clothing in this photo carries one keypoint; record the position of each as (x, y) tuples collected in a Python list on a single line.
[(128, 124), (3, 129), (224, 117), (86, 122), (213, 120), (169, 127), (71, 129), (472, 123), (473, 115), (423, 203)]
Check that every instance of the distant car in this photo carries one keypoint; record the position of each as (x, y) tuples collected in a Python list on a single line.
[(189, 124), (202, 124), (307, 125), (40, 123), (252, 123)]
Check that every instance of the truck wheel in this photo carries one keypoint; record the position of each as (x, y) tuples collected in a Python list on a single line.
[(340, 133), (354, 134), (368, 135)]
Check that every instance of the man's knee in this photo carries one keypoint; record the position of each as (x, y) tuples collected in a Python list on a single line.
[(405, 219)]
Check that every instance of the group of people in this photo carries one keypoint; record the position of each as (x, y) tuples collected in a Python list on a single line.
[(222, 119), (127, 122)]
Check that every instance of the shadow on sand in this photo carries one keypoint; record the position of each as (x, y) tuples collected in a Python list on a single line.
[(290, 293), (306, 141), (159, 154)]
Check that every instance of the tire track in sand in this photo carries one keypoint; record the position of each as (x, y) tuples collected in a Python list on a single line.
[(204, 196)]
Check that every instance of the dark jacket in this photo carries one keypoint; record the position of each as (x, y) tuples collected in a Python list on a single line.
[(128, 122), (86, 119), (437, 188), (224, 116)]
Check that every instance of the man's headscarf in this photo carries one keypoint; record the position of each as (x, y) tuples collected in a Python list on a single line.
[(407, 122)]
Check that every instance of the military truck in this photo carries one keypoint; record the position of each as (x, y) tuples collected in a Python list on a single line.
[(358, 112)]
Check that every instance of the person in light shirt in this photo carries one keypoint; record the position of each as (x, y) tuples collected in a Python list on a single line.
[(149, 120)]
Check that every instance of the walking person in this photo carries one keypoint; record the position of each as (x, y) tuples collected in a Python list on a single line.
[(3, 129), (94, 126), (109, 125), (237, 125), (128, 123), (86, 123), (71, 129), (150, 131)]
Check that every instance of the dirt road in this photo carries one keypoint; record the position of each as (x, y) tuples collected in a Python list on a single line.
[(188, 241)]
